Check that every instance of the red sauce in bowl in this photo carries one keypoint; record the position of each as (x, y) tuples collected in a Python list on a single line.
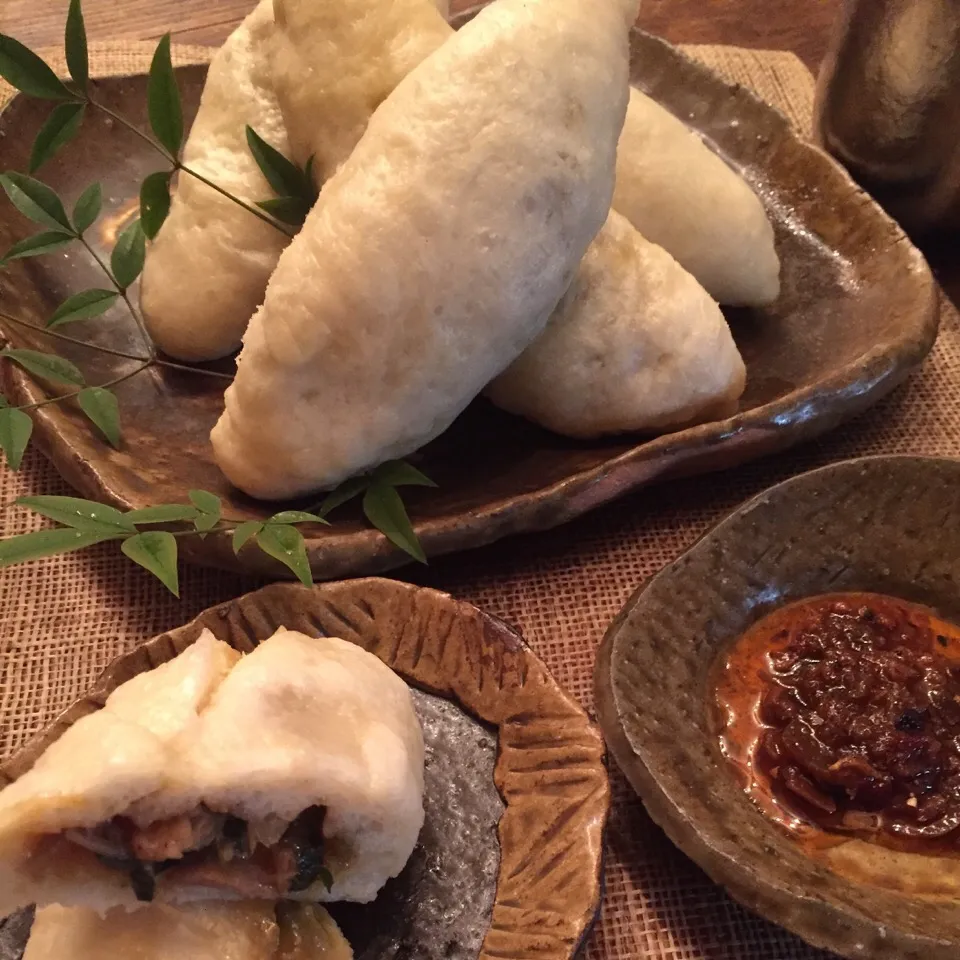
[(842, 714)]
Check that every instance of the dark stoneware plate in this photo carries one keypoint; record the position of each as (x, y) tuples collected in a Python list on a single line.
[(880, 524), (510, 857), (858, 312)]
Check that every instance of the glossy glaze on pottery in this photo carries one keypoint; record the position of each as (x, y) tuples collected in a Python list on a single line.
[(511, 853), (858, 312)]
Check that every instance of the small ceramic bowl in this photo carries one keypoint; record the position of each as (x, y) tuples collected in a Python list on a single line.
[(510, 858), (888, 525)]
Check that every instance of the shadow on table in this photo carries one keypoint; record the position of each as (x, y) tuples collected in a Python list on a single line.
[(943, 255)]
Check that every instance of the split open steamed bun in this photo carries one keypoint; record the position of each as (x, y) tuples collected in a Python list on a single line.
[(218, 777)]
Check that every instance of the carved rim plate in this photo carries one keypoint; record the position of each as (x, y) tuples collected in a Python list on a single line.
[(886, 525), (858, 312), (550, 770)]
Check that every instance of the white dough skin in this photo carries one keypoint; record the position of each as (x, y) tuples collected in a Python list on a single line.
[(299, 722), (635, 345), (437, 252), (304, 721), (207, 269), (251, 930), (618, 353), (679, 194), (335, 62), (226, 931)]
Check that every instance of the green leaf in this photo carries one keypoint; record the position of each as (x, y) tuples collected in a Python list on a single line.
[(326, 878), (87, 515), (126, 261), (296, 516), (155, 551), (39, 243), (15, 430), (61, 127), (103, 410), (45, 543), (87, 208), (383, 507), (286, 545), (75, 44), (205, 501), (209, 506), (286, 209), (346, 491), (35, 200), (164, 513), (285, 177), (399, 473), (23, 69), (81, 306), (155, 202), (46, 365), (243, 533), (163, 99)]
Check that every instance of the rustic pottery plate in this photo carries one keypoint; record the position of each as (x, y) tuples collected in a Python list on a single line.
[(510, 857), (857, 313), (878, 524)]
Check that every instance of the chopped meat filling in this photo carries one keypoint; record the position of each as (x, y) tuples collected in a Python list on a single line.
[(213, 850)]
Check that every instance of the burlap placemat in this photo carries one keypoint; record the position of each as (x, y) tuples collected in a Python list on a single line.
[(63, 620)]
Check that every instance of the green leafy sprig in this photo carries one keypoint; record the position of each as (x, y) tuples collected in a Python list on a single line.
[(82, 523), (382, 505), (295, 188)]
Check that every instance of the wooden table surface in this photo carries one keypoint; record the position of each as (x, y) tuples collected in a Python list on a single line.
[(802, 26)]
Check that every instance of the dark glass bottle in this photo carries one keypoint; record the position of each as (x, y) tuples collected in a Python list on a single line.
[(888, 107)]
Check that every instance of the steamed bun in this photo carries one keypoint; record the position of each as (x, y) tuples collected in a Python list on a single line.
[(636, 344), (387, 315)]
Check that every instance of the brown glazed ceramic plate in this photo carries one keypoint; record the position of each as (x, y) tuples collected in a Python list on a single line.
[(510, 857), (857, 313), (878, 524)]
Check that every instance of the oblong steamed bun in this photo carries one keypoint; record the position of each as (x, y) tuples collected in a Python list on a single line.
[(250, 930), (680, 195), (335, 63), (613, 319), (218, 777), (206, 270), (636, 344), (437, 252)]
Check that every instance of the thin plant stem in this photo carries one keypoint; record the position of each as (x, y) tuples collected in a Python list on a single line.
[(177, 165), (148, 343), (186, 368), (132, 127), (76, 341), (259, 214), (56, 335), (69, 396)]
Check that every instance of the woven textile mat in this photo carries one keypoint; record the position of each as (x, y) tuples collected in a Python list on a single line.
[(62, 620)]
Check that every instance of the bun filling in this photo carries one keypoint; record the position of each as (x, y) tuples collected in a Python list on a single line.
[(251, 859)]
